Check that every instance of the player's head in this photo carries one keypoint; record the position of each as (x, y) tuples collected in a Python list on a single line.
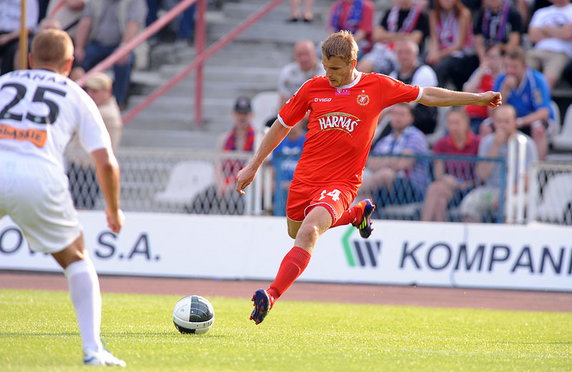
[(52, 50), (504, 119), (339, 57), (458, 123)]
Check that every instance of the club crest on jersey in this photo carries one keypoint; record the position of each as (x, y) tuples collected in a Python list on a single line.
[(363, 99), (338, 120)]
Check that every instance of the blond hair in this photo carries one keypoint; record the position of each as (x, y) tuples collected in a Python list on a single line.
[(340, 44), (52, 47)]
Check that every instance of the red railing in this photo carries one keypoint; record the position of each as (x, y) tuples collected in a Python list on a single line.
[(196, 64)]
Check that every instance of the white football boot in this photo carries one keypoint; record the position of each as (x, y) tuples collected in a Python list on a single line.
[(101, 358)]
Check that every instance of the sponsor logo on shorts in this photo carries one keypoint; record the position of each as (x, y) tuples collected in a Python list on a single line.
[(339, 121)]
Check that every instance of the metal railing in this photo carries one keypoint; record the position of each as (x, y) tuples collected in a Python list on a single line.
[(550, 193), (194, 182), (196, 65)]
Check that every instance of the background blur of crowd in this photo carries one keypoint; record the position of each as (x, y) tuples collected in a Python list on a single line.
[(522, 48)]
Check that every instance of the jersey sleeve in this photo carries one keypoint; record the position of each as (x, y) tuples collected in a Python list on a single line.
[(92, 132), (393, 91), (296, 107)]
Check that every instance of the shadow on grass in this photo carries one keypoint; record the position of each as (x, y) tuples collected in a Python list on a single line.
[(113, 334), (66, 334), (542, 343)]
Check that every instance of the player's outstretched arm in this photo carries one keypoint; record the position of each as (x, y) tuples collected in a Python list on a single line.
[(433, 96), (273, 137), (107, 171)]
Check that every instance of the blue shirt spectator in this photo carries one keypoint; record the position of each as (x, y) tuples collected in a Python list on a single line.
[(530, 95), (527, 90), (411, 139), (284, 160)]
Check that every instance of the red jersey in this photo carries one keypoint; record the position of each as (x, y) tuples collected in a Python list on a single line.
[(462, 170), (341, 125), (481, 111)]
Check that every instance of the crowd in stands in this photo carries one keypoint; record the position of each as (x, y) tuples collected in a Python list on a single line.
[(97, 28), (521, 48)]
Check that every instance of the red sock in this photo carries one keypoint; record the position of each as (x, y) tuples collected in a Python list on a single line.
[(350, 216), (292, 266)]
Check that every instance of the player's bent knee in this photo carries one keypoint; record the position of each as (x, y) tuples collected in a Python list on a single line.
[(293, 227), (72, 253)]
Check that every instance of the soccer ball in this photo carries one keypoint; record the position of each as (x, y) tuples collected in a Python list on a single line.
[(193, 314)]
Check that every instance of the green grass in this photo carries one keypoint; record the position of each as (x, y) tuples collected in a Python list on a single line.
[(38, 332)]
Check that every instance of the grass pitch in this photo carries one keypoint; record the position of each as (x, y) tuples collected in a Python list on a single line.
[(38, 331)]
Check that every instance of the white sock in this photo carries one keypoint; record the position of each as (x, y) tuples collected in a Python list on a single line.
[(86, 299)]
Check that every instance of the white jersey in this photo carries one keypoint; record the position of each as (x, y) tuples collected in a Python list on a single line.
[(553, 16), (39, 112)]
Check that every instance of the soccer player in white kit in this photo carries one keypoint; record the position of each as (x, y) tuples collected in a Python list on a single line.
[(40, 109)]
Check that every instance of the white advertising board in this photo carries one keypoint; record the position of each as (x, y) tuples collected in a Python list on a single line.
[(234, 247)]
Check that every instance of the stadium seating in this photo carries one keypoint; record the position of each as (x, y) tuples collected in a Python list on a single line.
[(187, 180), (557, 198), (563, 140), (264, 107)]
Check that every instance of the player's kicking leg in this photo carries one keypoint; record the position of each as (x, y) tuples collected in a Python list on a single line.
[(262, 302), (364, 224)]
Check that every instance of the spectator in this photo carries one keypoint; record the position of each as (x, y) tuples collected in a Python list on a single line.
[(482, 80), (453, 178), (294, 74), (10, 30), (284, 160), (295, 14), (451, 51), (81, 170), (527, 90), (412, 71), (406, 20), (186, 25), (105, 26), (355, 16), (523, 7), (67, 13), (221, 197), (550, 30), (484, 200), (395, 179), (497, 23)]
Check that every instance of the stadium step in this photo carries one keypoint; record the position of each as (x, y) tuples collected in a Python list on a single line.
[(248, 65)]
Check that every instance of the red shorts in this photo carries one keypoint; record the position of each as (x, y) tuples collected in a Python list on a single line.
[(302, 198)]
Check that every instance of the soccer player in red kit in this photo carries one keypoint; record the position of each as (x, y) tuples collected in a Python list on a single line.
[(344, 109)]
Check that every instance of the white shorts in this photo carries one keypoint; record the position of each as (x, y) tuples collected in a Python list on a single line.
[(35, 195)]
